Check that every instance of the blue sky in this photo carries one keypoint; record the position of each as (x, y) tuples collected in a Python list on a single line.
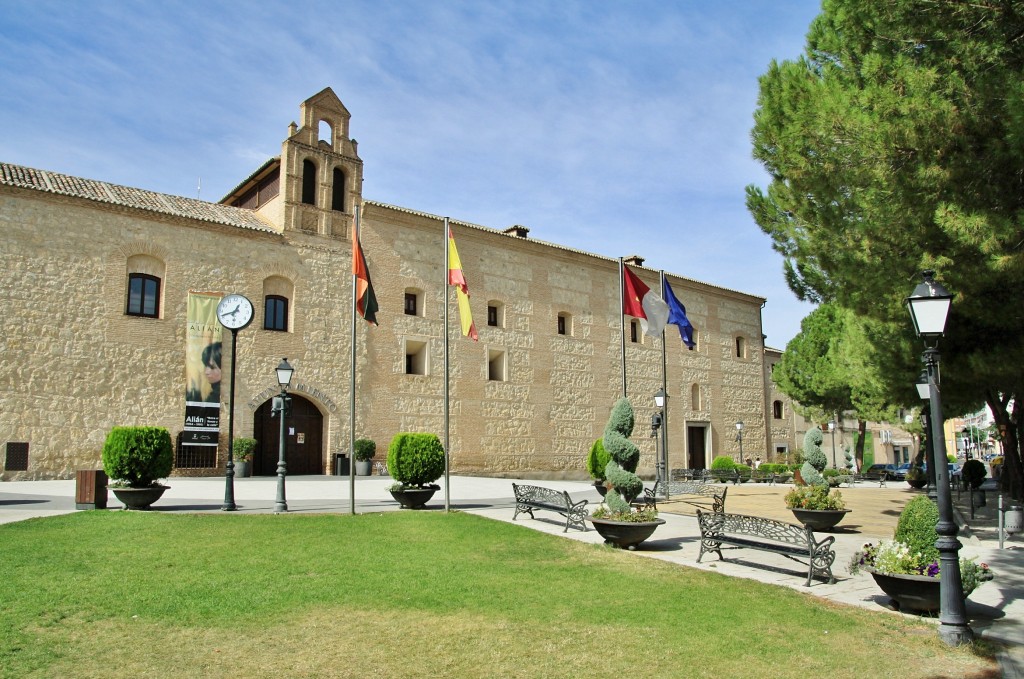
[(615, 127)]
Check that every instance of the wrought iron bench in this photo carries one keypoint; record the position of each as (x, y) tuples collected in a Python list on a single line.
[(688, 474), (529, 498), (754, 532), (694, 493)]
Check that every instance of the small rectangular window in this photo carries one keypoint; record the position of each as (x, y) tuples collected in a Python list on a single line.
[(561, 325), (17, 457), (410, 304), (143, 295), (496, 365), (492, 316), (275, 313), (634, 336), (415, 357)]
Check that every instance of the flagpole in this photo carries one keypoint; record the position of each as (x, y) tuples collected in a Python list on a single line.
[(622, 330), (352, 385), (664, 390), (444, 287)]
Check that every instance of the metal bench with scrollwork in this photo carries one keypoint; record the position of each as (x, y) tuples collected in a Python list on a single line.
[(754, 532), (529, 498), (693, 493)]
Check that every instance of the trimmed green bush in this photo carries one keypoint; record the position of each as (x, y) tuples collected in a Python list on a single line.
[(624, 457), (774, 468), (415, 459), (243, 448), (974, 473), (597, 460), (723, 463), (365, 449), (814, 459), (916, 527), (137, 456)]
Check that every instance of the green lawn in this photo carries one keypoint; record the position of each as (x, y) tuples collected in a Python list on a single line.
[(410, 594)]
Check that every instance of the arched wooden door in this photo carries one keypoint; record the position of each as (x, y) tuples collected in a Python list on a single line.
[(303, 439)]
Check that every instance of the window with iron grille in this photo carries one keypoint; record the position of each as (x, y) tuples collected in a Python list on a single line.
[(194, 457), (17, 457), (143, 295)]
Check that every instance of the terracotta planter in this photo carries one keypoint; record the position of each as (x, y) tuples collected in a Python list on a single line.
[(624, 534), (910, 592), (820, 519), (414, 498), (139, 498)]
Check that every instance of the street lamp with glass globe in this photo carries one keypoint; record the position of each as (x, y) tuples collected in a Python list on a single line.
[(929, 305)]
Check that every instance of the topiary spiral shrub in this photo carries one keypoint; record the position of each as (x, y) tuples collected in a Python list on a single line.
[(415, 459), (623, 458), (916, 527), (814, 459), (137, 456), (597, 460)]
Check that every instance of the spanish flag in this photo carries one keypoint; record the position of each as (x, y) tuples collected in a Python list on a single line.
[(458, 279), (366, 301)]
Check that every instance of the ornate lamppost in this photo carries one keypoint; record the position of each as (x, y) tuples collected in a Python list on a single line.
[(929, 307), (658, 422), (739, 437), (832, 430), (281, 407), (925, 392)]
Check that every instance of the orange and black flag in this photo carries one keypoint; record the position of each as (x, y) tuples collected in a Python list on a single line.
[(366, 301)]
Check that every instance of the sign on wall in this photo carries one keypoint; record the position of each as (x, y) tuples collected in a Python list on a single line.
[(202, 371)]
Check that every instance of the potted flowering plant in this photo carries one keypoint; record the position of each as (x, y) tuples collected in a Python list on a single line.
[(907, 567)]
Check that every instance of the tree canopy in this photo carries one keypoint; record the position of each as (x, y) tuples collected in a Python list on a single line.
[(896, 144)]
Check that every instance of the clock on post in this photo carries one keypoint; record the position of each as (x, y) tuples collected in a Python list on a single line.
[(235, 313)]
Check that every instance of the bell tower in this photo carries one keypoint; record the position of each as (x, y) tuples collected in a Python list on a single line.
[(321, 170)]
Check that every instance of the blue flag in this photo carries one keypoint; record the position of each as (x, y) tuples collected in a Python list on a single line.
[(677, 316)]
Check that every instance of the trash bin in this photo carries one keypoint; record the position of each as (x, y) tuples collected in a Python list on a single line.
[(90, 489), (340, 464)]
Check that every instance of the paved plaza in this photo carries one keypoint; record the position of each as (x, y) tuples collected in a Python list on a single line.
[(996, 609)]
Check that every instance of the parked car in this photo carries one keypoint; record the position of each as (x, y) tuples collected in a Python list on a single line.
[(878, 471), (954, 472)]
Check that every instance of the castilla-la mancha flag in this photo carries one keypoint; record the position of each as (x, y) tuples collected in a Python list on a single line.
[(458, 279), (366, 301), (641, 302)]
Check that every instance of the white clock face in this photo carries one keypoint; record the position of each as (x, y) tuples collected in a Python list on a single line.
[(234, 312)]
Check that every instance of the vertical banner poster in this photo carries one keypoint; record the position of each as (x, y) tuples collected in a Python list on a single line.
[(202, 371)]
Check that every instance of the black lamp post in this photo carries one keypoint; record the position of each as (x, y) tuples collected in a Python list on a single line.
[(929, 307), (280, 407), (662, 463), (739, 437), (832, 430), (925, 392)]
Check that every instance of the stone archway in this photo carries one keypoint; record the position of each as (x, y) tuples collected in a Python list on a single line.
[(303, 439)]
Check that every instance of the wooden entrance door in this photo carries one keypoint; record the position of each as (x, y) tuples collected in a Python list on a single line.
[(304, 429), (695, 447)]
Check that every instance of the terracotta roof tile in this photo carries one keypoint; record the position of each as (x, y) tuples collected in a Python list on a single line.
[(126, 196)]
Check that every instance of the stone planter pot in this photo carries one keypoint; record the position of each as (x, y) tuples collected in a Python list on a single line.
[(364, 467), (414, 498), (602, 489), (243, 469), (139, 498), (624, 534), (910, 592), (917, 483), (820, 519)]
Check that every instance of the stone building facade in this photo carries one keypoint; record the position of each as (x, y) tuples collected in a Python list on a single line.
[(528, 398)]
